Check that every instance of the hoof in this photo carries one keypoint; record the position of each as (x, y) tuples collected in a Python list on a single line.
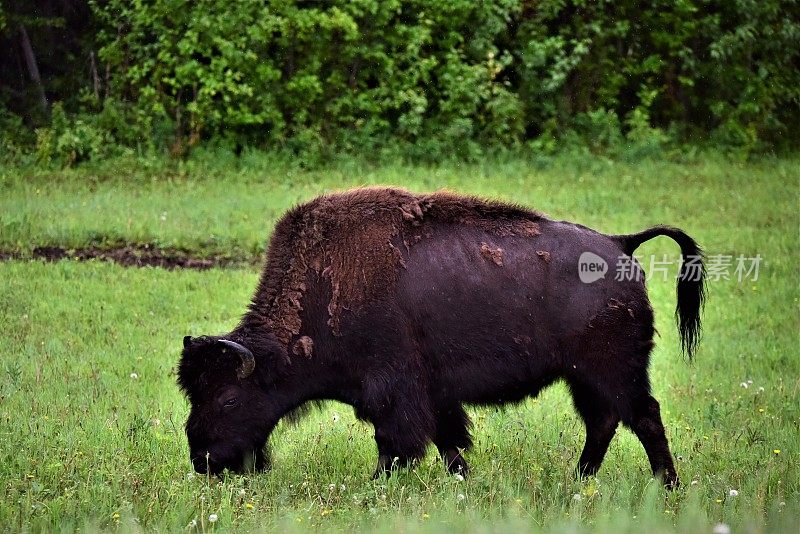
[(454, 462), (384, 467), (670, 479)]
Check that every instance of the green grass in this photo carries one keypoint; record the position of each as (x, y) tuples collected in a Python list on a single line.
[(83, 445), (230, 207)]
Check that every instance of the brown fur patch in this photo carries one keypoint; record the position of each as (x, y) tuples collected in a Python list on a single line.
[(502, 220), (355, 240), (303, 347), (544, 255), (494, 254), (526, 229)]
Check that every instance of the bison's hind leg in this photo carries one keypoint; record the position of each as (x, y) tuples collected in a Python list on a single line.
[(601, 420), (645, 421), (452, 434), (610, 383), (626, 399)]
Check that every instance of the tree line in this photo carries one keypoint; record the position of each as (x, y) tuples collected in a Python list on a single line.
[(428, 78)]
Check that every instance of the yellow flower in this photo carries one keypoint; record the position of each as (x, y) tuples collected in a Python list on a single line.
[(776, 451), (425, 516), (761, 410), (115, 516), (249, 506), (326, 511)]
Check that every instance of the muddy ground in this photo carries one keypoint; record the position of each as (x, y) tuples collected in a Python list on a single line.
[(135, 255)]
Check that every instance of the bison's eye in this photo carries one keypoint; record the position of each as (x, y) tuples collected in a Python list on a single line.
[(231, 403)]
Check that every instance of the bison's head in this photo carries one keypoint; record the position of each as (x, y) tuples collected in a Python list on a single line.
[(231, 412)]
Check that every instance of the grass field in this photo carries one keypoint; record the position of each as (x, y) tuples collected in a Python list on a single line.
[(91, 419)]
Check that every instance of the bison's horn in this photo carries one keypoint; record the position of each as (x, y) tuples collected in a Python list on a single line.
[(248, 361)]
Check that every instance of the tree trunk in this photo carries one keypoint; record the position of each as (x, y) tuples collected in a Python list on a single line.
[(95, 77), (33, 68)]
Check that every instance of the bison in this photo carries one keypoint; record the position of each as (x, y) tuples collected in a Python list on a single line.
[(409, 306)]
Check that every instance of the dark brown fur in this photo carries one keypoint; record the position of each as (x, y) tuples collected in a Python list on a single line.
[(356, 239), (406, 306)]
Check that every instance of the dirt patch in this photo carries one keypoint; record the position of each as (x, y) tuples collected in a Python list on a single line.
[(304, 347), (494, 254), (134, 255)]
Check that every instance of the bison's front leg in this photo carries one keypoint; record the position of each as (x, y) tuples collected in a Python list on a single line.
[(403, 422), (452, 435), (400, 442)]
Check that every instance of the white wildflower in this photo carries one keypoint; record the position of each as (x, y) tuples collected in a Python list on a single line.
[(576, 497), (331, 487), (733, 493), (745, 385), (242, 492), (192, 523), (459, 477), (721, 528), (212, 518), (461, 497), (134, 376)]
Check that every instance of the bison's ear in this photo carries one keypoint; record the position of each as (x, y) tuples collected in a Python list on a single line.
[(187, 340)]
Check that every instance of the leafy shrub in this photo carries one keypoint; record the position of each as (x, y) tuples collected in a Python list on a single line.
[(68, 142), (14, 138), (427, 80)]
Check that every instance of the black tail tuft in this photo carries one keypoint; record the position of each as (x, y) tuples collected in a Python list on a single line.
[(691, 288)]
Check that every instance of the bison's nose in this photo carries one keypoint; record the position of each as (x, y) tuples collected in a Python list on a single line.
[(205, 463)]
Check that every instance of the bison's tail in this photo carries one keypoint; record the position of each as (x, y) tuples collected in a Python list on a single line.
[(691, 281)]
